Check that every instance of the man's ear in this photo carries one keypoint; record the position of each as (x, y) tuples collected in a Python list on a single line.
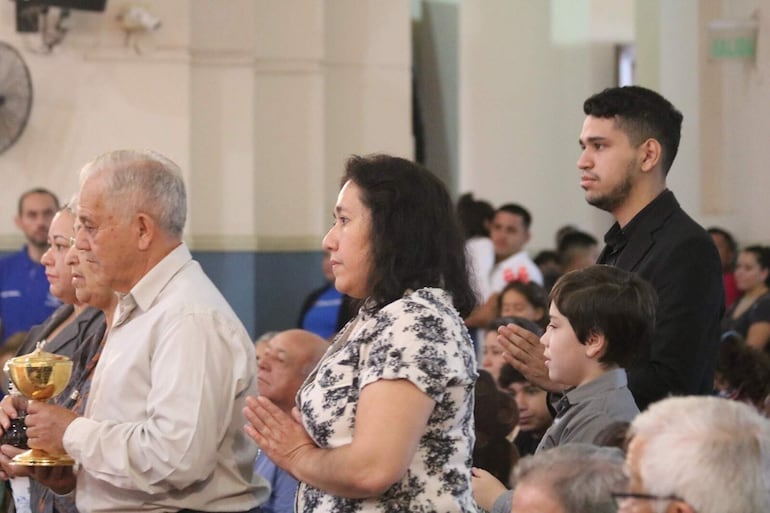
[(146, 229), (650, 153), (596, 345), (17, 221)]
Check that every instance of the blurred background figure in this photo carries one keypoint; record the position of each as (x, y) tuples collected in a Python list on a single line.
[(577, 250), (260, 345), (24, 296), (750, 314), (475, 218), (492, 356), (526, 300), (547, 261), (287, 359), (727, 248), (496, 416), (742, 372), (326, 310), (531, 401)]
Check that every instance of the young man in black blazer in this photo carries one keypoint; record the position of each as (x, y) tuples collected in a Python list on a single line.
[(629, 140)]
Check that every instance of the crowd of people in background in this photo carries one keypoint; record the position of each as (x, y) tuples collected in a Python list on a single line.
[(439, 367)]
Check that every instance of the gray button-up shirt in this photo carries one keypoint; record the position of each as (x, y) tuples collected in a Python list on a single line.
[(587, 410)]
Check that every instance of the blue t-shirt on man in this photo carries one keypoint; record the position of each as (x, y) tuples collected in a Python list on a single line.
[(24, 296), (283, 487)]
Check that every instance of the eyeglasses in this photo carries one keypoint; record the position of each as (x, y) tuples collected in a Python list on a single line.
[(619, 497)]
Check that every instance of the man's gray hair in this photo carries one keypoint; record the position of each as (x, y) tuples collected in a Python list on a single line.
[(582, 477), (145, 181), (713, 453)]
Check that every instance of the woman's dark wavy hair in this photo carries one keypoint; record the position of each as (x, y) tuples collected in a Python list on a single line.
[(416, 238)]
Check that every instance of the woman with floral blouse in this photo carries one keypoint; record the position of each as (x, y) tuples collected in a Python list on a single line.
[(385, 422)]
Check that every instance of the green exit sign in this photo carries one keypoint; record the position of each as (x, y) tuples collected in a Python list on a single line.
[(733, 48), (733, 38)]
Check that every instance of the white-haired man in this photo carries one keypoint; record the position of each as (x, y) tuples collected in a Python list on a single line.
[(162, 429), (573, 478), (698, 454), (570, 478)]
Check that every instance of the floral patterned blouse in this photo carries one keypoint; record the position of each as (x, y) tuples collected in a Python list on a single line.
[(420, 338)]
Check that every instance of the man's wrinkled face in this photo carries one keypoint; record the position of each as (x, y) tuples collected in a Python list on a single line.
[(105, 236), (282, 368)]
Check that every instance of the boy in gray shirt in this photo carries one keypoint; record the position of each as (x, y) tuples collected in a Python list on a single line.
[(600, 317)]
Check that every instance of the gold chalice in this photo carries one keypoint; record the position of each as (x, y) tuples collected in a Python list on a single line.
[(39, 376)]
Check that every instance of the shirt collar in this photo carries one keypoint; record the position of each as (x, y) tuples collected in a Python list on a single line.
[(610, 380), (648, 217), (147, 289)]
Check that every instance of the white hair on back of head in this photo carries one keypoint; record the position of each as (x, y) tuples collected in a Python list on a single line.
[(713, 453), (581, 476), (144, 181)]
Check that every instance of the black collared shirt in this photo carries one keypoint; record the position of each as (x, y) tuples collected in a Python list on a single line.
[(616, 238)]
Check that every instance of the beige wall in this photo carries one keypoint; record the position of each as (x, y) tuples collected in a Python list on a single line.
[(522, 85), (521, 94), (260, 102)]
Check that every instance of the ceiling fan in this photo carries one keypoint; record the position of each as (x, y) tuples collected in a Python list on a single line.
[(15, 95)]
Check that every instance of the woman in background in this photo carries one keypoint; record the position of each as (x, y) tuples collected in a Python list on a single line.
[(750, 314)]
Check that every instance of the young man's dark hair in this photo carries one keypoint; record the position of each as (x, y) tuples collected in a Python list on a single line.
[(575, 247), (612, 302), (576, 240), (37, 190), (642, 114), (517, 210)]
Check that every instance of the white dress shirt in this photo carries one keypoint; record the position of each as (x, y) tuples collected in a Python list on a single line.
[(163, 428)]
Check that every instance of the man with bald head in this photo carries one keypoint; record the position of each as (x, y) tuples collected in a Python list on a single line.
[(162, 430), (289, 358)]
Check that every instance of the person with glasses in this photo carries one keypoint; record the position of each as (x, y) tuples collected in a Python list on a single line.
[(697, 455)]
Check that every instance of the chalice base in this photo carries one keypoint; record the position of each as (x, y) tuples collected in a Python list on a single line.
[(38, 458)]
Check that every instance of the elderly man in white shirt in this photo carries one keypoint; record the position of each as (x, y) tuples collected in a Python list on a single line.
[(163, 424)]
